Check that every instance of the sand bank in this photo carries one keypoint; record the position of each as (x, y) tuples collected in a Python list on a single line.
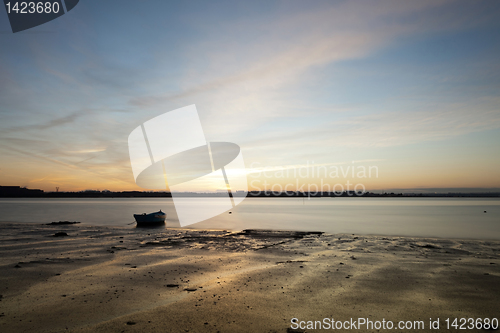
[(109, 279)]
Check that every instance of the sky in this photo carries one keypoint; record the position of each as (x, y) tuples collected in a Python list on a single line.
[(408, 88)]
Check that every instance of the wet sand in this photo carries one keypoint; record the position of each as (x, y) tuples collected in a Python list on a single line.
[(110, 279)]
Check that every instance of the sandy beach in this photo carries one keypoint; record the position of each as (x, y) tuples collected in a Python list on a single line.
[(125, 279)]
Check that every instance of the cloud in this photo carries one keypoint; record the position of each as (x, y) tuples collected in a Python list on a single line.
[(382, 129), (248, 76), (59, 121), (273, 52), (86, 151), (401, 128)]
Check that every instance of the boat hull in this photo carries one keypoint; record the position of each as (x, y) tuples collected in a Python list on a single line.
[(150, 219)]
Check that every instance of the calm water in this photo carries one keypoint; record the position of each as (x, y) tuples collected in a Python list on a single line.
[(433, 217)]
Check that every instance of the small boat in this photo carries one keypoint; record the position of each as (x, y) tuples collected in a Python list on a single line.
[(150, 219)]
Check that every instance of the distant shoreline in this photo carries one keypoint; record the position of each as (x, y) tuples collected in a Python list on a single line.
[(22, 192), (138, 194)]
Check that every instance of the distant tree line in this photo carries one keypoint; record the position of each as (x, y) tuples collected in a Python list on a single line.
[(23, 192)]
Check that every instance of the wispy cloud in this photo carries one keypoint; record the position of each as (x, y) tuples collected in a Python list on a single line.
[(387, 128), (59, 121), (242, 85)]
